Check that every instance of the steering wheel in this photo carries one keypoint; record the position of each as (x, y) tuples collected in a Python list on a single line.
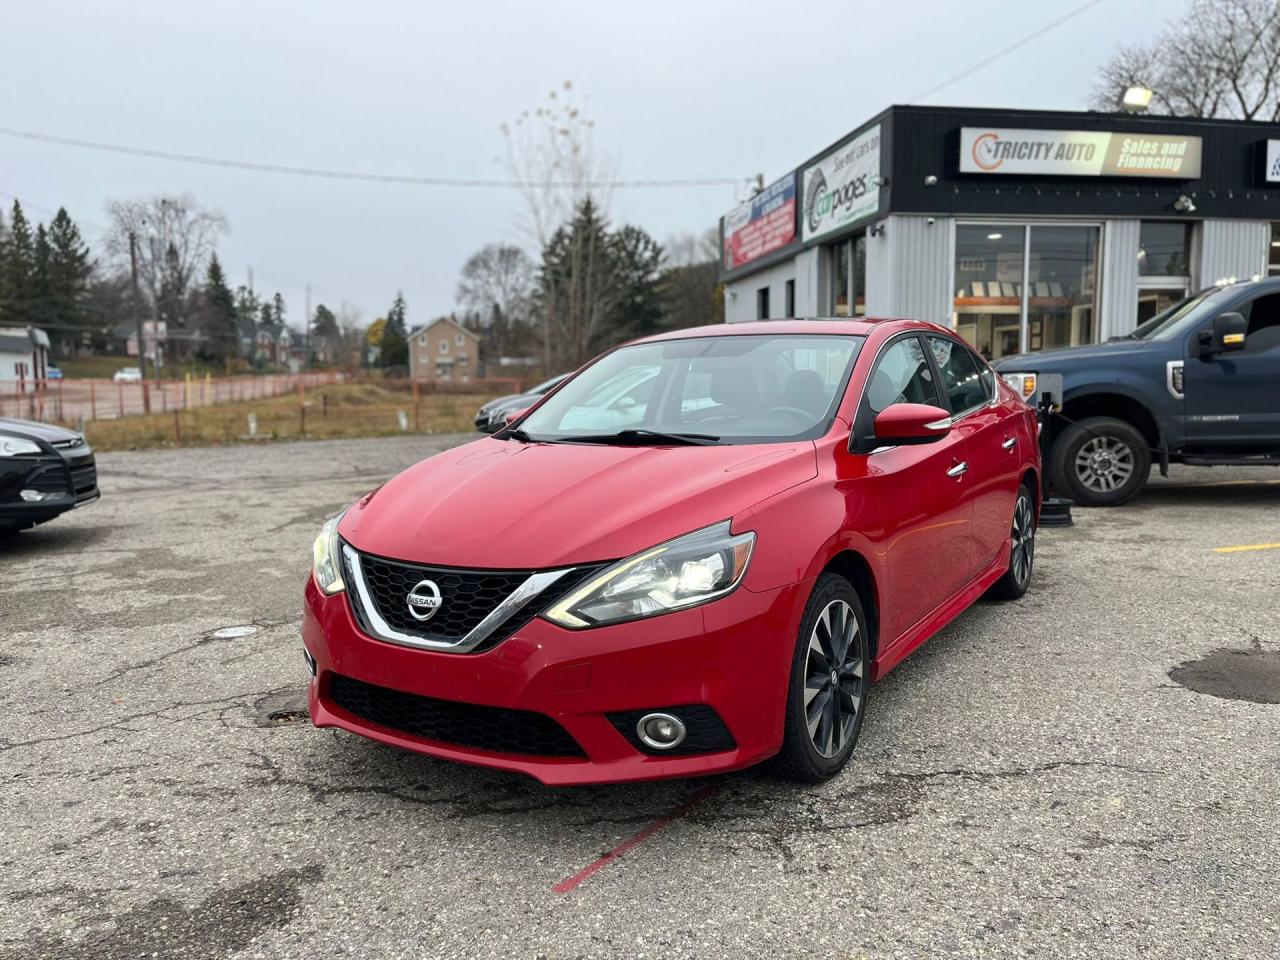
[(794, 411)]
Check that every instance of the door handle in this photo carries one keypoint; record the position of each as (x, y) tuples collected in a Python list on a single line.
[(1010, 443), (959, 469)]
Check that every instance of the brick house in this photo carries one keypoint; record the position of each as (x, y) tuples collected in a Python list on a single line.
[(444, 350)]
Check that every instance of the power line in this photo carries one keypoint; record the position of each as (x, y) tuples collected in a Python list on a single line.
[(1000, 54), (323, 174)]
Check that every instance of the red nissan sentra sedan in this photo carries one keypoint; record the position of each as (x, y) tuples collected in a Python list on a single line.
[(694, 555)]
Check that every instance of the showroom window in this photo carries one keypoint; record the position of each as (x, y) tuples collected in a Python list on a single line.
[(848, 277), (1025, 287), (1273, 260), (1164, 266)]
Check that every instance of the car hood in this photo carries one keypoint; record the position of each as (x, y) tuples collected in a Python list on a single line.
[(506, 505), (40, 431), (1069, 356)]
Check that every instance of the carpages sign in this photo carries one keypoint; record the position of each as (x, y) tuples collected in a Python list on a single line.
[(843, 187), (1078, 153), (761, 225)]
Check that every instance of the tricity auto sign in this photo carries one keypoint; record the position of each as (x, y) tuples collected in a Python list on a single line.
[(1078, 153), (761, 225), (843, 187)]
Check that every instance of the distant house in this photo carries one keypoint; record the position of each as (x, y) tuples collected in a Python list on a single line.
[(155, 333), (24, 354), (444, 351)]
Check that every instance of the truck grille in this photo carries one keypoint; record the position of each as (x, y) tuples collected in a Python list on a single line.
[(447, 721)]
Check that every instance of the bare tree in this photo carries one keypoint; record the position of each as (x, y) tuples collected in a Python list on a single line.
[(686, 249), (175, 239), (498, 276), (551, 152), (1220, 60)]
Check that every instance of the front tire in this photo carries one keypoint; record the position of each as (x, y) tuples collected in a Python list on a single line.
[(1100, 462), (827, 690), (1022, 548)]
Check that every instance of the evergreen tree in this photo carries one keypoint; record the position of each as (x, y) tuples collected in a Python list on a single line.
[(4, 259), (277, 308), (637, 262), (18, 268), (40, 289), (395, 336), (325, 334), (68, 276), (221, 334)]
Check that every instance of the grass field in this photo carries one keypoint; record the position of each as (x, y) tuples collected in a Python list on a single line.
[(339, 410)]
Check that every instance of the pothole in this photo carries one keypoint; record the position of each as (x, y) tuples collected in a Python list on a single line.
[(1233, 674), (281, 710)]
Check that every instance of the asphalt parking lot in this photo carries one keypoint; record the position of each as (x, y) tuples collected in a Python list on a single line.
[(1034, 781)]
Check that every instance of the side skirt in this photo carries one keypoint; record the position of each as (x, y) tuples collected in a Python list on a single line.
[(943, 614)]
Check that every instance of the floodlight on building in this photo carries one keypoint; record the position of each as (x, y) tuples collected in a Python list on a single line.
[(1136, 99)]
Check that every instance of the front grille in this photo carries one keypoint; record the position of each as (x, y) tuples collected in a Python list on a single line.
[(84, 478), (50, 480), (466, 598), (447, 721)]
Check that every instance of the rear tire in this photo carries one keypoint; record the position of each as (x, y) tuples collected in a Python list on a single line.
[(1022, 551), (1100, 462), (827, 689)]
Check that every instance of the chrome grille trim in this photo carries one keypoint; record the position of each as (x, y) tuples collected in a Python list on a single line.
[(534, 585)]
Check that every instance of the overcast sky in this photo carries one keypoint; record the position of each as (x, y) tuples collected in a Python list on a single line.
[(677, 88)]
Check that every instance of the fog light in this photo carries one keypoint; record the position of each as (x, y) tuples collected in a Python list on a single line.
[(661, 731), (35, 496)]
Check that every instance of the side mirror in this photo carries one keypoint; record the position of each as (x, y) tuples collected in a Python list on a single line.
[(1228, 334), (908, 424)]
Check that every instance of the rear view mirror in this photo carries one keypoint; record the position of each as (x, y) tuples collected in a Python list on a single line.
[(1228, 334)]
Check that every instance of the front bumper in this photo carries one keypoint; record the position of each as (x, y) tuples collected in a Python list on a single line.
[(732, 655), (64, 481)]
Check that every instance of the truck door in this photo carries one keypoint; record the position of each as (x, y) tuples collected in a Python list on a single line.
[(1233, 399)]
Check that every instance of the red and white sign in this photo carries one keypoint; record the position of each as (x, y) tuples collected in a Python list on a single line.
[(765, 223)]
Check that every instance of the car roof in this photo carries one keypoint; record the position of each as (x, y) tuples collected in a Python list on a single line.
[(829, 326)]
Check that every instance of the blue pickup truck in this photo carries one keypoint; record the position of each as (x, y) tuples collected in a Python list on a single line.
[(1197, 384)]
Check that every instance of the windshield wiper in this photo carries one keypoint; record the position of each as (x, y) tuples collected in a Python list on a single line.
[(632, 435)]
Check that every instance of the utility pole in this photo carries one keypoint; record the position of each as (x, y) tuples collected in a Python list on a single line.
[(137, 314), (306, 327)]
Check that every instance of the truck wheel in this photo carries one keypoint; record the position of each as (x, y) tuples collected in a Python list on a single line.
[(1100, 462)]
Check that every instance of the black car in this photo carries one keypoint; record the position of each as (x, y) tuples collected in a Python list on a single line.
[(493, 415), (44, 471)]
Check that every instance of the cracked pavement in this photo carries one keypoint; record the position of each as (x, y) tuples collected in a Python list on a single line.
[(1031, 782)]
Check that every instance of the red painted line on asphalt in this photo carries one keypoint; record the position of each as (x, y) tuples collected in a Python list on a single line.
[(572, 883)]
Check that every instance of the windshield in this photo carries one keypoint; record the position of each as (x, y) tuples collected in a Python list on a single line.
[(1182, 317), (546, 385), (732, 389)]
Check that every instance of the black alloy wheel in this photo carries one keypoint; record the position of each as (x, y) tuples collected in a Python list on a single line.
[(829, 682)]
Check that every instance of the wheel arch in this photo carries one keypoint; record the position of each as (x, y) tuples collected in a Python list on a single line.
[(853, 566), (1119, 405)]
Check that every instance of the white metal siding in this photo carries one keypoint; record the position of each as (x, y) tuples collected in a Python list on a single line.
[(740, 296), (920, 257), (1118, 306), (1232, 248)]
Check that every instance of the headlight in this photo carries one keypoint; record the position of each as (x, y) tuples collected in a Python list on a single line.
[(689, 570), (1023, 383), (17, 447), (324, 557)]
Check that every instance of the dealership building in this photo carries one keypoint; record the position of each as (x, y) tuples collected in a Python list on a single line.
[(1022, 230)]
